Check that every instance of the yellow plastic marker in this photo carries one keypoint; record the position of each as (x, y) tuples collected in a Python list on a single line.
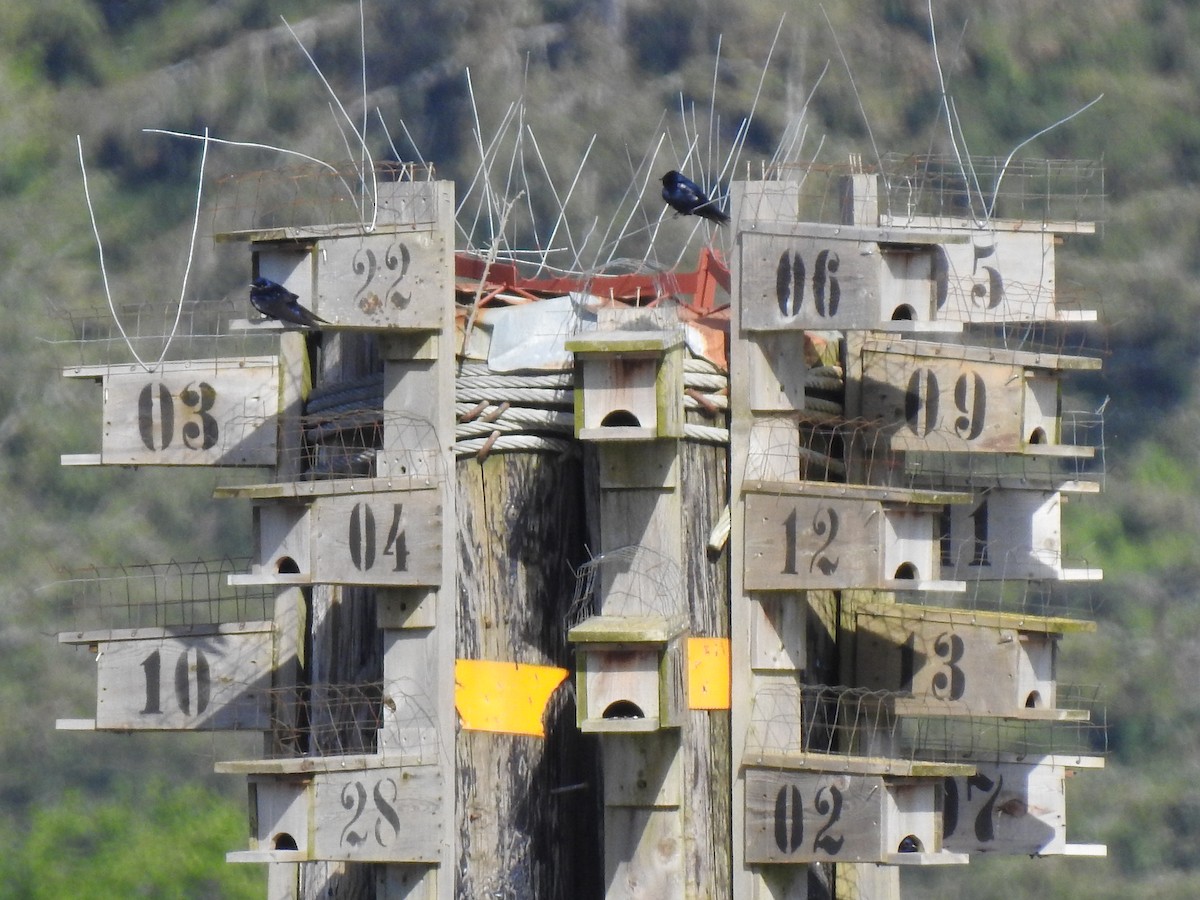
[(504, 697), (708, 673)]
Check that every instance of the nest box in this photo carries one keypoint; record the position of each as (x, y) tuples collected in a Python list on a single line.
[(396, 274), (630, 673), (801, 816), (382, 532), (906, 272), (1014, 806), (809, 276), (628, 385), (963, 662), (945, 397), (214, 412), (809, 535), (1009, 533), (347, 808), (180, 678)]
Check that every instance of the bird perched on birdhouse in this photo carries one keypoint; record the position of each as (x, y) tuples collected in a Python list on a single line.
[(687, 198), (275, 301)]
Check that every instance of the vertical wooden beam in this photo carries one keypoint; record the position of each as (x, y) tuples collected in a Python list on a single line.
[(528, 808)]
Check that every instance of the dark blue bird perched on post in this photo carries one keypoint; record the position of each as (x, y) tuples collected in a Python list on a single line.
[(685, 197), (276, 302)]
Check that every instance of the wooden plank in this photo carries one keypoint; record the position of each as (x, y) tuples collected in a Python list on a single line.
[(814, 276), (644, 853), (626, 629), (903, 235), (520, 529), (777, 379), (195, 682), (778, 633), (882, 493), (382, 538), (956, 401), (1007, 534), (304, 490), (800, 542), (154, 632), (961, 668), (908, 612), (223, 415), (804, 817), (379, 814), (849, 764), (644, 770), (764, 201), (1000, 276), (1051, 362), (397, 280), (951, 224), (1009, 808)]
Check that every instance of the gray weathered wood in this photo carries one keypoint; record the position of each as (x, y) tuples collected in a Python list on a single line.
[(798, 542), (948, 397), (1010, 807), (215, 412), (804, 816), (207, 678), (524, 805), (998, 666)]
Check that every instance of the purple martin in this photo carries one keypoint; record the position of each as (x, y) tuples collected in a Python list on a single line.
[(276, 302), (685, 197)]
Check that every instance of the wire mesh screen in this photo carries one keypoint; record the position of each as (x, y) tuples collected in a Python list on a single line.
[(150, 333), (963, 738), (790, 719), (1031, 190), (344, 719), (941, 189), (160, 595), (364, 442), (628, 581), (316, 197)]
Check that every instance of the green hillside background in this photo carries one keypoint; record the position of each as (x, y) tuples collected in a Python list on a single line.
[(102, 815)]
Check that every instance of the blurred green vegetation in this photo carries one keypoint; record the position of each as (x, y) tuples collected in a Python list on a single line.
[(148, 840), (107, 70)]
